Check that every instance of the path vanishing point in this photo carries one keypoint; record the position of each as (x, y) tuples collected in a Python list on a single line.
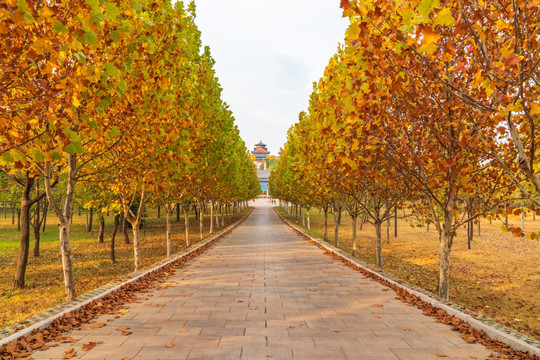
[(264, 292)]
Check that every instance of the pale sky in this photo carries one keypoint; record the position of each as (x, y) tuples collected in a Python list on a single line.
[(268, 54)]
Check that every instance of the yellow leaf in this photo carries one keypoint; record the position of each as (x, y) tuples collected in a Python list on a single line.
[(535, 108), (444, 17)]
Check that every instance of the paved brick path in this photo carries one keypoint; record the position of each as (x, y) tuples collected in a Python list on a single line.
[(263, 292)]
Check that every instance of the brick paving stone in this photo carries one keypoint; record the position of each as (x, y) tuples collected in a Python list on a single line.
[(263, 290)]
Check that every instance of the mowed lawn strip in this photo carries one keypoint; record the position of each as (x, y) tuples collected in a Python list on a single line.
[(499, 277), (93, 267)]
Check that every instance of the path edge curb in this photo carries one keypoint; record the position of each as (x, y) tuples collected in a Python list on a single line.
[(490, 331), (77, 305)]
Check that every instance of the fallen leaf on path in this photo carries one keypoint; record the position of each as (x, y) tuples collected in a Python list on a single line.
[(126, 358), (168, 346), (377, 305), (269, 356), (182, 330), (337, 331), (253, 308), (126, 333), (69, 353), (97, 325), (440, 355), (405, 329), (291, 326), (90, 345)]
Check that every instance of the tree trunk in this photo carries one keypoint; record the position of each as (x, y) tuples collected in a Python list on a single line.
[(19, 219), (186, 225), (378, 233), (168, 213), (201, 222), (445, 247), (137, 258), (124, 228), (325, 225), (36, 224), (13, 207), (101, 232), (354, 237), (395, 222), (64, 216), (113, 237), (178, 212), (222, 216), (506, 213), (337, 220), (90, 220), (45, 211), (24, 239), (388, 229), (302, 215), (211, 217), (159, 211), (308, 219)]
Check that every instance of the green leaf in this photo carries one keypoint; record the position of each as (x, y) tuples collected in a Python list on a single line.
[(426, 5), (17, 155), (112, 11), (444, 18), (110, 69), (23, 8), (56, 155), (7, 157), (89, 37), (80, 57), (37, 155), (59, 28), (122, 87), (114, 132)]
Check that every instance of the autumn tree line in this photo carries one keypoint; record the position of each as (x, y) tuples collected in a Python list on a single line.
[(113, 106), (431, 105)]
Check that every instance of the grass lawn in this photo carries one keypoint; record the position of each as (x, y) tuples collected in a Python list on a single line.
[(499, 277), (93, 268)]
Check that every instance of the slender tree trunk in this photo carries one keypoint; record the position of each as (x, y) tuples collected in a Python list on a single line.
[(388, 230), (37, 238), (178, 212), (45, 211), (395, 222), (90, 220), (101, 232), (64, 217), (123, 220), (24, 237), (337, 221), (186, 225), (506, 213), (222, 215), (19, 219), (354, 236), (445, 247), (168, 213), (302, 215), (13, 215), (113, 237), (211, 217), (37, 223), (378, 233), (201, 222), (137, 258), (326, 224), (308, 219), (159, 211)]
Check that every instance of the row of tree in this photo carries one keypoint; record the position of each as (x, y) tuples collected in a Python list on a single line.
[(118, 101), (428, 104)]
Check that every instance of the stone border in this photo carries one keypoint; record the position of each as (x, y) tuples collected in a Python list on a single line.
[(493, 330), (44, 319)]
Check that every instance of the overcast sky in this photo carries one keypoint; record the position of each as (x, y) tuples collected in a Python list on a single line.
[(268, 54)]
